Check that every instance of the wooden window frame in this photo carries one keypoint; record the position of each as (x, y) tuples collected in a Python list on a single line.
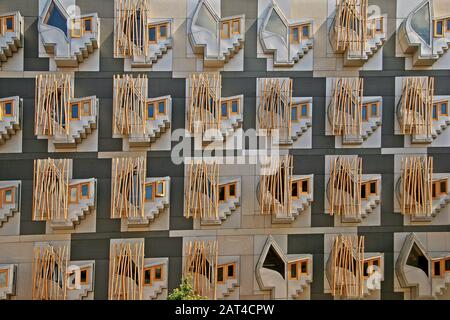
[(365, 185), (377, 107), (381, 20), (376, 188), (5, 271), (86, 282), (445, 260), (229, 188), (302, 36), (301, 105), (365, 118), (446, 186), (157, 107), (76, 33), (227, 108), (227, 194), (447, 24), (83, 27), (88, 184), (437, 187), (81, 111), (441, 267), (12, 195), (225, 272), (152, 26), (230, 106), (435, 111), (224, 193), (152, 271), (297, 196), (3, 105), (440, 108), (291, 31), (233, 265), (152, 103), (76, 187), (149, 269), (300, 187), (153, 192), (233, 22), (5, 19), (298, 266), (295, 107), (160, 194), (165, 24), (437, 35), (160, 266), (72, 104), (222, 34)]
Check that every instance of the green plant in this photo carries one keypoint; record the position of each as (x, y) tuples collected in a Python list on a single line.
[(185, 291)]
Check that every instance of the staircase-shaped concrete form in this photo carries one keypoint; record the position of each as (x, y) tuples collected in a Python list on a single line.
[(158, 288), (10, 117), (229, 204), (8, 271), (86, 289), (302, 281), (425, 46), (79, 210), (11, 35), (228, 284), (154, 208), (285, 49), (79, 128), (218, 39), (68, 46), (10, 192)]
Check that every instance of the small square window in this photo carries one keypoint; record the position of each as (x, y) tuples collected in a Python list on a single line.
[(374, 110), (8, 108), (88, 25), (84, 278), (9, 196), (373, 188), (224, 109), (230, 271), (221, 193), (234, 107), (74, 194), (444, 110), (152, 34), (304, 110), (162, 107), (147, 277), (438, 29), (85, 190), (294, 191), (3, 278), (220, 274), (149, 192), (443, 187), (232, 190), (163, 31), (158, 273), (150, 111), (9, 24), (294, 115), (74, 111), (293, 270), (437, 268), (305, 31)]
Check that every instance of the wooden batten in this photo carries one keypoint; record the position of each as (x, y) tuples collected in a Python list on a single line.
[(52, 102), (275, 187), (417, 106), (347, 267), (344, 186), (346, 114), (202, 195), (128, 187), (51, 189), (130, 95), (350, 26), (200, 264), (49, 273), (274, 110), (126, 271), (204, 102), (416, 197), (131, 27)]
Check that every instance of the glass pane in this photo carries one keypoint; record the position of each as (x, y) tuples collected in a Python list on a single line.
[(160, 188), (305, 186), (304, 110), (85, 190), (161, 107), (276, 25), (225, 30), (295, 37), (447, 265), (304, 267), (448, 25), (364, 112), (373, 187), (147, 276), (8, 196), (87, 25), (305, 31), (232, 190), (224, 109), (158, 273), (230, 271), (86, 108), (9, 24), (434, 111), (8, 108), (234, 106), (437, 268), (294, 116), (74, 111), (443, 187), (444, 108), (420, 22), (294, 192), (293, 267), (163, 31), (363, 191), (152, 34), (374, 110), (73, 194), (236, 27), (221, 193), (149, 192), (150, 110), (3, 278), (83, 276), (220, 274), (365, 269), (57, 19), (439, 28)]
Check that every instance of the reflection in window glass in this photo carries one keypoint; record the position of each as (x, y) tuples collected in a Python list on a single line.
[(420, 22)]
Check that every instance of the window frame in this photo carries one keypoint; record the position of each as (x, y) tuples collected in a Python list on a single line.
[(5, 21), (152, 104), (5, 271), (438, 35), (225, 275), (153, 192), (226, 188), (83, 27), (300, 114), (12, 195), (436, 187), (440, 261), (369, 262), (230, 105), (152, 271), (298, 267), (377, 108), (238, 22), (76, 187), (157, 107), (366, 117), (291, 33), (222, 34), (77, 104), (82, 111), (88, 184), (86, 282), (3, 105), (160, 194)]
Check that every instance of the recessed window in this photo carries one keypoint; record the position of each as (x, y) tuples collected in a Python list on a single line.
[(160, 188), (163, 31), (297, 269), (9, 196), (438, 28), (162, 107), (437, 268), (9, 22), (230, 271), (373, 188), (294, 114), (224, 109), (304, 186), (374, 110), (157, 273), (86, 108), (147, 277), (305, 31), (379, 25), (87, 24), (294, 191), (149, 192), (73, 194), (433, 190), (8, 108), (225, 30), (74, 111), (364, 112), (225, 272), (304, 110), (435, 113), (447, 264), (444, 108), (150, 111), (84, 276), (443, 187), (152, 34), (363, 191), (295, 37), (293, 271), (4, 278), (236, 27), (232, 190), (220, 274), (222, 193), (85, 190), (448, 24), (234, 106)]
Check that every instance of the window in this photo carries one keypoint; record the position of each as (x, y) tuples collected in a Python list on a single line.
[(225, 272), (150, 111), (149, 192), (151, 274), (437, 268), (9, 24), (73, 193), (373, 188), (4, 278), (163, 31), (234, 106), (157, 32), (438, 28), (8, 108), (9, 195), (304, 186), (297, 269), (379, 25), (227, 191), (222, 196), (162, 107), (229, 107), (295, 36), (224, 110), (84, 191), (225, 30), (305, 31), (374, 110), (435, 114), (152, 34), (444, 110), (439, 188), (87, 24), (160, 188), (236, 27), (74, 111), (364, 112), (448, 24), (443, 187), (220, 274), (294, 114), (304, 110), (147, 277), (363, 191), (84, 276), (232, 190), (86, 109), (371, 265), (230, 271), (447, 265), (75, 28)]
